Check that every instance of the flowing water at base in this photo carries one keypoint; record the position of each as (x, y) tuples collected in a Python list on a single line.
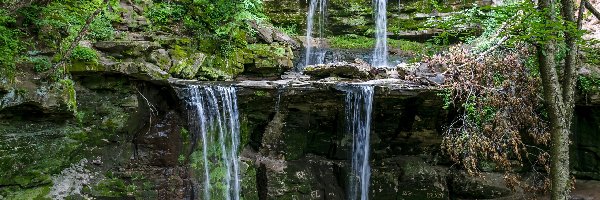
[(215, 127), (359, 105)]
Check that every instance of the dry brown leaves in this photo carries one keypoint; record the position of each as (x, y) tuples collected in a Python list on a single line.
[(500, 115)]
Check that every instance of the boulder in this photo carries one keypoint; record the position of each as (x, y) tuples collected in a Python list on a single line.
[(140, 70), (161, 58), (186, 66), (357, 70), (269, 34), (127, 49), (261, 60)]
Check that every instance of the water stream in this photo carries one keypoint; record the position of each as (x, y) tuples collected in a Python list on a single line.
[(359, 104), (314, 53), (380, 54), (215, 127)]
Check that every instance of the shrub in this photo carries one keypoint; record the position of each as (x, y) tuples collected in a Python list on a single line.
[(165, 13), (40, 64), (84, 54), (101, 29), (10, 44)]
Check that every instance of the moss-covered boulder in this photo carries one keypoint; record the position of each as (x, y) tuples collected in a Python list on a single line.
[(267, 60), (357, 70)]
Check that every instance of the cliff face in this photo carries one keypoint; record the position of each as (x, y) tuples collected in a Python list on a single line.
[(130, 135)]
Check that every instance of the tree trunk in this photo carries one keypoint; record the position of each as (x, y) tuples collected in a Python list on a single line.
[(559, 163), (555, 96)]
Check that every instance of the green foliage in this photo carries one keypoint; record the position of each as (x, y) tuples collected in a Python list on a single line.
[(588, 84), (165, 13), (114, 186), (59, 22), (10, 45), (69, 93), (591, 50), (446, 97), (225, 19), (84, 54), (261, 93), (521, 21), (40, 64), (101, 29), (291, 30)]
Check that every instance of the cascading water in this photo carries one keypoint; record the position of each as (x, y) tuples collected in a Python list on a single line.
[(214, 121), (380, 53), (359, 104), (318, 56)]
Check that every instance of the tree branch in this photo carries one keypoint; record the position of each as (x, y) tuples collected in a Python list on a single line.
[(80, 36), (591, 8), (580, 14), (568, 82)]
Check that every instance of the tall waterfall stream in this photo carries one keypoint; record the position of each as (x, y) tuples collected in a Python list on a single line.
[(359, 105), (215, 126)]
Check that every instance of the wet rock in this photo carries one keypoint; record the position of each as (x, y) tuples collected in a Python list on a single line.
[(161, 144), (309, 178), (126, 49), (488, 186), (162, 59), (407, 178), (357, 70), (186, 66)]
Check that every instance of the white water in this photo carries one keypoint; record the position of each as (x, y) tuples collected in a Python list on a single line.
[(214, 119), (380, 54), (318, 56), (359, 105)]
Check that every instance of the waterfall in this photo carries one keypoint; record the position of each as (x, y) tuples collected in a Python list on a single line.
[(317, 57), (214, 121), (359, 104), (380, 53)]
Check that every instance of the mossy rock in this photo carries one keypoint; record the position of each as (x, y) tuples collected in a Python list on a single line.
[(267, 60), (140, 70), (127, 49)]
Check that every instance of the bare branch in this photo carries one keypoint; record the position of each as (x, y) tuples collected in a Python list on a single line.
[(580, 15), (591, 8), (80, 36)]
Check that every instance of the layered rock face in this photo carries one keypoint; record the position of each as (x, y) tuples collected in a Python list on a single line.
[(129, 137), (133, 142), (405, 18)]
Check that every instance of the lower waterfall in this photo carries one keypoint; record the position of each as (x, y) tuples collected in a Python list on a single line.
[(359, 105), (215, 127)]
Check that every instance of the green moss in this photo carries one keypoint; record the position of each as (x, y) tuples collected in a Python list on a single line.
[(588, 84), (261, 93), (245, 133), (296, 144), (38, 152), (249, 187), (36, 193), (361, 42), (114, 187)]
